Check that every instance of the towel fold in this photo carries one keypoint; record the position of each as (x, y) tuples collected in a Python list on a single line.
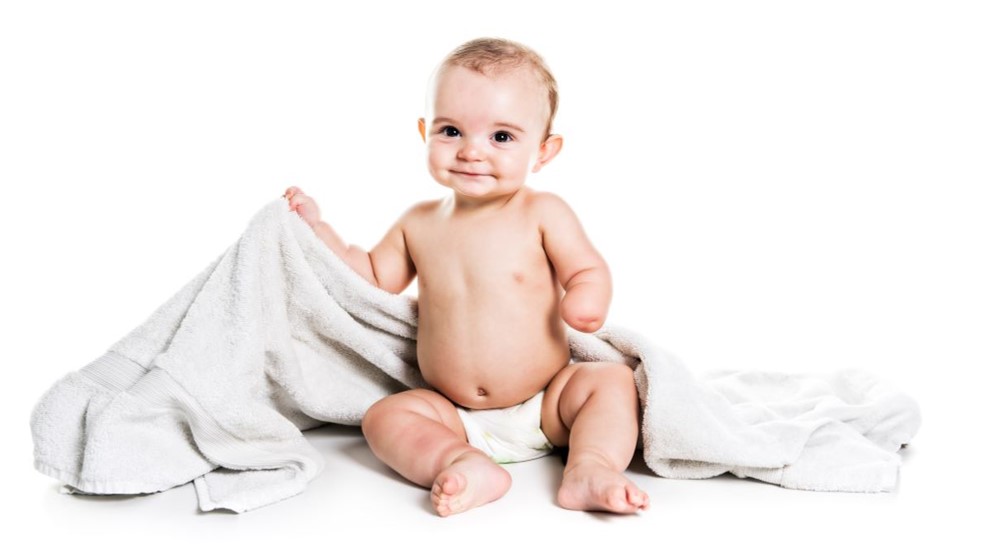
[(278, 336)]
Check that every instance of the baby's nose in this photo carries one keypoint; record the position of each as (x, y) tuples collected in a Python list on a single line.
[(471, 150)]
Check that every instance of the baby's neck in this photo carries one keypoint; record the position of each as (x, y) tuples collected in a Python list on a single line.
[(465, 205)]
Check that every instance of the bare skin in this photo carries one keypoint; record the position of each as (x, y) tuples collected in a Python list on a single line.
[(501, 268)]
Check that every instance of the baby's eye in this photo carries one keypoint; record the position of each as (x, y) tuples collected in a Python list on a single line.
[(450, 131), (502, 136)]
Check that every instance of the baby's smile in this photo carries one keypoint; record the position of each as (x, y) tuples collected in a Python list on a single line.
[(470, 173)]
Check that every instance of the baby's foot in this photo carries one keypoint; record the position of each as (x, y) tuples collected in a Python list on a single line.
[(305, 205), (595, 487), (472, 480)]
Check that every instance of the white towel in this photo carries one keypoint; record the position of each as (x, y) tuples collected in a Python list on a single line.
[(278, 335)]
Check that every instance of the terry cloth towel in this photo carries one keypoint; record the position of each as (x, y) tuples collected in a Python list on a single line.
[(278, 335)]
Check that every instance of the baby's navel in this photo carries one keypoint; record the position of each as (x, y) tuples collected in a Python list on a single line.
[(481, 391)]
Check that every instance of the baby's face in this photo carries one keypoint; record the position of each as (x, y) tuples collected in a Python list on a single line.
[(484, 134)]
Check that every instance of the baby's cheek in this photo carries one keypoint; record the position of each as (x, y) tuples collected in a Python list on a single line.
[(436, 161), (433, 166)]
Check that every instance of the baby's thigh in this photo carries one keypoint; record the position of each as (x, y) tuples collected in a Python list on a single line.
[(572, 386), (391, 413)]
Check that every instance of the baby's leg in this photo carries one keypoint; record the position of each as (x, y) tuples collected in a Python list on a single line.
[(418, 433), (593, 407)]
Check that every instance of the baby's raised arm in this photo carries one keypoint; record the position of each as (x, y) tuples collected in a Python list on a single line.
[(388, 266), (580, 269)]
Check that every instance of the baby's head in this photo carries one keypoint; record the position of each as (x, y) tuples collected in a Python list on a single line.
[(494, 57), (490, 108)]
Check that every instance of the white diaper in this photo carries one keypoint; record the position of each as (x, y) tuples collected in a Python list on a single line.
[(508, 435)]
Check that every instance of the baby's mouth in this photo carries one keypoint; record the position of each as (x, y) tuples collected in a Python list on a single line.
[(468, 174)]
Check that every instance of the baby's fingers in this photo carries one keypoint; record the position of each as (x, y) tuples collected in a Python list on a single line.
[(297, 201), (291, 192)]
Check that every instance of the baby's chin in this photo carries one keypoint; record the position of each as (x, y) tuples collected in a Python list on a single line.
[(485, 186)]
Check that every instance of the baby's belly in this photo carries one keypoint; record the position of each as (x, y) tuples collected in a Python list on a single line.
[(490, 356)]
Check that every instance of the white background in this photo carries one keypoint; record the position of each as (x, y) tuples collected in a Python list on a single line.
[(787, 186)]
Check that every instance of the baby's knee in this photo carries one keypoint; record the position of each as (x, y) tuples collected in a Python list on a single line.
[(610, 375), (373, 417), (382, 411), (625, 375), (610, 379), (390, 408), (614, 380)]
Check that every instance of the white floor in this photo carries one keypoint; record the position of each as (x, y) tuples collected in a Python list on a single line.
[(358, 502)]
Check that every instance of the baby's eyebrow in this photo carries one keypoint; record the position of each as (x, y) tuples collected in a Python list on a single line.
[(509, 126)]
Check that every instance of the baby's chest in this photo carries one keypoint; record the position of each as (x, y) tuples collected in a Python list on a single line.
[(475, 258)]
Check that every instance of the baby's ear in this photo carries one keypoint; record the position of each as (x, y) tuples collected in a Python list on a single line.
[(548, 150), (421, 127)]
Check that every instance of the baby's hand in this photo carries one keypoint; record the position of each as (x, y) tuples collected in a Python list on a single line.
[(583, 309), (305, 205)]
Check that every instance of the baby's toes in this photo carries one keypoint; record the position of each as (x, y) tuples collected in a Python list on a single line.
[(637, 498)]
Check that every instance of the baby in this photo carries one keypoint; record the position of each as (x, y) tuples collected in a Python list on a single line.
[(501, 268)]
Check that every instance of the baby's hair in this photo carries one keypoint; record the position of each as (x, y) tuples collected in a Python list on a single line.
[(491, 56)]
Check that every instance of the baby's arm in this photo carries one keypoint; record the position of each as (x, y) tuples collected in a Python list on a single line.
[(388, 266), (579, 267)]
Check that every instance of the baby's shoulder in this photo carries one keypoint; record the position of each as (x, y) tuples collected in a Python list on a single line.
[(421, 210), (541, 199), (548, 206)]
